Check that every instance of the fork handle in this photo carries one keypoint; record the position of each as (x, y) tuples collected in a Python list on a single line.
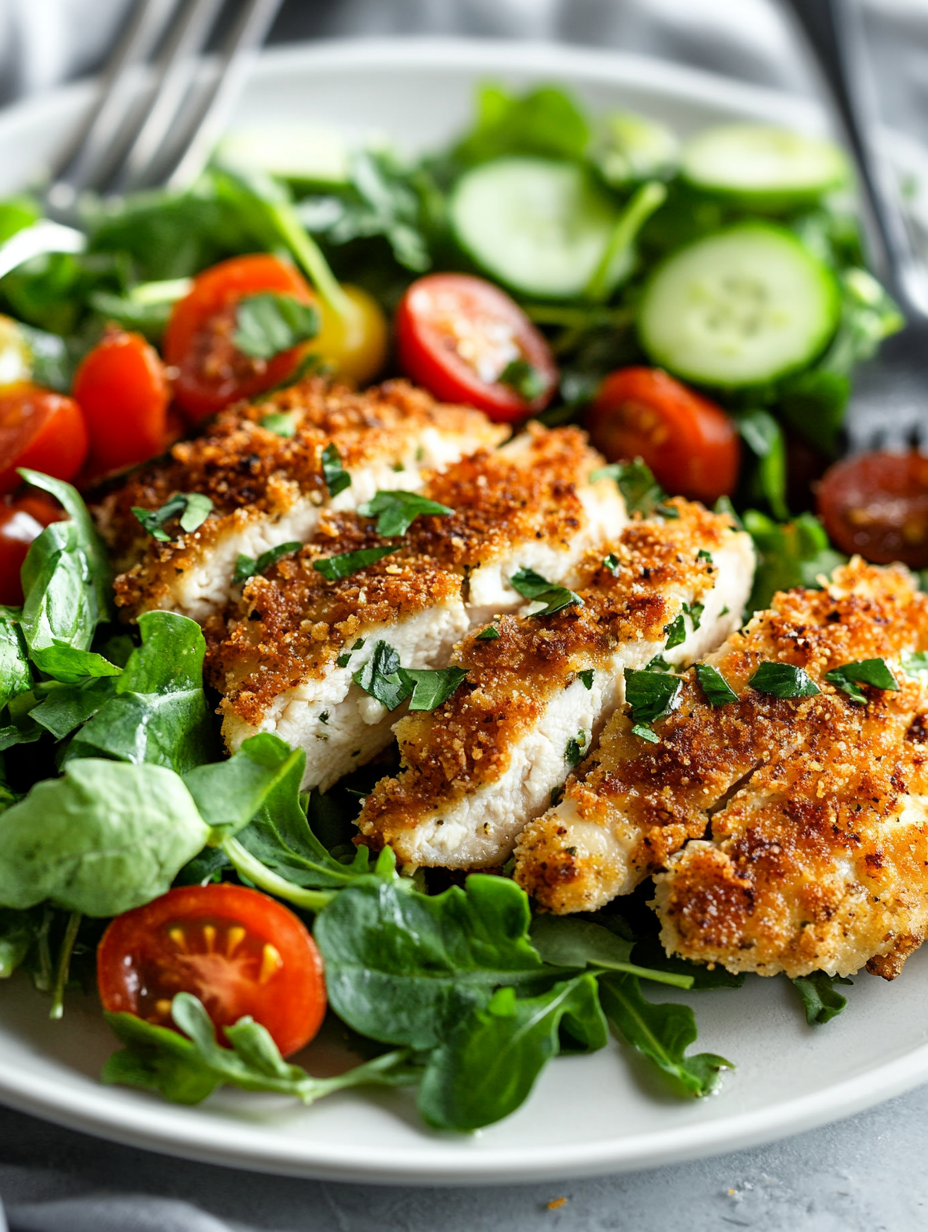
[(833, 29)]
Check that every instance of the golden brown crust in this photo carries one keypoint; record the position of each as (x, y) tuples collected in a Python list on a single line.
[(468, 742)]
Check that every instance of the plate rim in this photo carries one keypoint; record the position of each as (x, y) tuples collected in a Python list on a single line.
[(100, 1110)]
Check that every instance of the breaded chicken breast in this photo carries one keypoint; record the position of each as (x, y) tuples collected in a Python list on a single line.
[(268, 488), (815, 804), (286, 659), (480, 767)]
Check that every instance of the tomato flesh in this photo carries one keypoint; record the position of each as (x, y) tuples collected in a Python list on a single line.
[(688, 442), (123, 392), (235, 949), (457, 334), (39, 429), (876, 505), (21, 522), (209, 369)]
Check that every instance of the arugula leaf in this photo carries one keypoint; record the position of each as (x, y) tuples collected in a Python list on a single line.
[(544, 121), (380, 677), (335, 476), (716, 688), (849, 676), (675, 632), (791, 554), (489, 634), (640, 490), (650, 954), (431, 687), (662, 1033), (190, 508), (566, 941), (268, 324), (586, 677), (187, 1068), (528, 381), (279, 422), (405, 968), (489, 1065), (246, 567), (15, 672), (651, 695), (819, 999), (532, 585), (159, 712), (576, 748), (344, 565), (397, 510), (783, 680), (764, 437)]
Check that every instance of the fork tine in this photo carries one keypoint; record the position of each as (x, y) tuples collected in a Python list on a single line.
[(175, 71), (78, 166), (185, 160)]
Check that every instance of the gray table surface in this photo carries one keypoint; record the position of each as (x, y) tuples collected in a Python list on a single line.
[(860, 1175)]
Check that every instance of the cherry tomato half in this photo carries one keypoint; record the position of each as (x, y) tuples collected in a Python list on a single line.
[(39, 429), (21, 521), (211, 370), (124, 394), (877, 504), (353, 346), (688, 442), (237, 950), (457, 334)]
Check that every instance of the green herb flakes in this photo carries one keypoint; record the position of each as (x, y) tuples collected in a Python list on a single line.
[(532, 585), (342, 660), (850, 676), (347, 563), (651, 695), (914, 663), (783, 680), (489, 634), (576, 748), (714, 685), (280, 423), (524, 378), (384, 679), (396, 511), (676, 631), (586, 677), (335, 476), (190, 508), (246, 567), (268, 324), (612, 563), (640, 490)]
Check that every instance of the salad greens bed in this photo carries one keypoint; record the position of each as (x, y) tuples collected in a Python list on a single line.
[(114, 788)]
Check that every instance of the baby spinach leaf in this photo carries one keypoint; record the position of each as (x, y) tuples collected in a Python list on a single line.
[(335, 476), (380, 677), (849, 676), (565, 941), (764, 437), (396, 510), (524, 378), (662, 1033), (103, 839), (190, 508), (268, 324), (489, 1065), (63, 707), (15, 672), (159, 712), (187, 1068), (715, 687), (431, 687), (347, 563), (790, 554), (230, 793), (819, 999), (545, 121), (87, 537), (246, 567), (783, 680), (405, 968), (651, 695), (532, 585), (640, 490)]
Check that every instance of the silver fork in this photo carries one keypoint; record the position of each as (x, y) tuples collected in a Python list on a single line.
[(141, 133), (889, 405)]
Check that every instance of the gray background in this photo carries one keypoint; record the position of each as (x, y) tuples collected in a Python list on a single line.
[(861, 1175)]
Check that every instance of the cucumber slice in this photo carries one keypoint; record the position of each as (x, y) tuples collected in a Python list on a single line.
[(307, 153), (764, 166), (630, 148), (538, 225), (739, 307)]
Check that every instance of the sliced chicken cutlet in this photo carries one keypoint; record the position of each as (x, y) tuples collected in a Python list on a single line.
[(266, 481), (750, 764), (286, 660), (820, 860), (480, 767)]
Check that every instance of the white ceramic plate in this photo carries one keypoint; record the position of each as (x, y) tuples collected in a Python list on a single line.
[(588, 1115)]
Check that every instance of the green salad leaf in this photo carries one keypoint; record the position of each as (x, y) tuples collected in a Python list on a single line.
[(789, 554), (819, 999), (545, 121), (230, 793), (15, 672)]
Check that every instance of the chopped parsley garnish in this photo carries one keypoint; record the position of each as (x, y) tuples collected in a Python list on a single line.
[(396, 511), (586, 677), (532, 585), (724, 505), (335, 476), (279, 422), (489, 634), (915, 662), (640, 490), (850, 676), (645, 733), (268, 324), (383, 678), (246, 567), (191, 508), (714, 685), (612, 563), (694, 611), (347, 563), (702, 554), (342, 660), (524, 378), (658, 664), (676, 631), (650, 695), (324, 716), (576, 747), (783, 680), (557, 795), (667, 511)]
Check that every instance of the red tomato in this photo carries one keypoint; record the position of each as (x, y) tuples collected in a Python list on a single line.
[(20, 522), (877, 504), (124, 394), (456, 334), (211, 370), (688, 442), (237, 950), (39, 429)]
